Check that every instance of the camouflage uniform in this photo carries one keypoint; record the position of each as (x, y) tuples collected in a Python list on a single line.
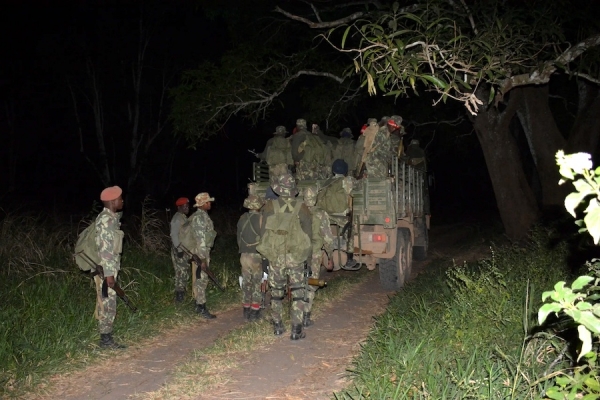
[(278, 162), (344, 149), (285, 269), (305, 170), (248, 236), (359, 147), (324, 169), (204, 234), (322, 239), (377, 158), (109, 239), (181, 265)]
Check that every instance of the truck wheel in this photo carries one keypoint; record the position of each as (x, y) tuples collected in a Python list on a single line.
[(422, 240), (394, 271)]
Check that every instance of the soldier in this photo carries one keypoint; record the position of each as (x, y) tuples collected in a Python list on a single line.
[(286, 229), (416, 155), (396, 133), (109, 239), (204, 235), (324, 170), (277, 154), (321, 240), (344, 149), (181, 262), (377, 152), (361, 150), (307, 152), (248, 228)]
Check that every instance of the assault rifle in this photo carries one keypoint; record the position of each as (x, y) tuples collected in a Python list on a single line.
[(98, 270), (200, 262)]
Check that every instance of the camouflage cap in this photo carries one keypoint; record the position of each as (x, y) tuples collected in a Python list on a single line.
[(202, 198), (280, 130), (346, 132), (372, 122), (310, 196), (285, 186), (301, 123), (253, 202)]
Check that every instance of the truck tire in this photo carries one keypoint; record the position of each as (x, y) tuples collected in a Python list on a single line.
[(422, 240), (395, 271)]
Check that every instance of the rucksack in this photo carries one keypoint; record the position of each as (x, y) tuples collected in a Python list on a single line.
[(279, 152), (249, 236), (315, 151), (186, 235), (86, 246), (283, 233), (332, 197)]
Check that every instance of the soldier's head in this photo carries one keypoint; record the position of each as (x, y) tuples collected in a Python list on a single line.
[(339, 167), (394, 124), (203, 201), (253, 203), (183, 205), (112, 198), (346, 132), (310, 196), (414, 142), (372, 122), (280, 130), (384, 120), (301, 123), (285, 186)]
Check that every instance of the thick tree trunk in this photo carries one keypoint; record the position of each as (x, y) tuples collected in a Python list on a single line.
[(544, 140), (585, 133), (514, 197)]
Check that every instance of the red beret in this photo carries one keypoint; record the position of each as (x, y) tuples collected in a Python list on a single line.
[(181, 201), (111, 193)]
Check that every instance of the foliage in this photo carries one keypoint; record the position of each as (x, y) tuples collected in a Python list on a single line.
[(579, 302)]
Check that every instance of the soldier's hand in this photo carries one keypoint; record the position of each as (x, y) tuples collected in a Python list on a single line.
[(203, 265), (330, 264), (180, 254), (110, 281)]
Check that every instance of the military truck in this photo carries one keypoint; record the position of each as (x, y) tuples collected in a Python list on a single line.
[(390, 219)]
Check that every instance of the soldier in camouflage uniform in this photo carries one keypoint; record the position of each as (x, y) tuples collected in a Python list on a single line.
[(305, 169), (396, 132), (377, 155), (204, 234), (248, 236), (109, 239), (321, 240), (277, 154), (181, 262), (286, 268), (359, 152), (344, 149), (324, 169)]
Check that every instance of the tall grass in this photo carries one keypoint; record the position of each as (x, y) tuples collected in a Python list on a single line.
[(464, 331), (47, 304)]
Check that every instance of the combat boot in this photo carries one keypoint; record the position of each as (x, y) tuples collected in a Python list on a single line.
[(306, 321), (254, 314), (278, 328), (297, 332), (179, 295), (247, 313), (203, 311), (107, 342)]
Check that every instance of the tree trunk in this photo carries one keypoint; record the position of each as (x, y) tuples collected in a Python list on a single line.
[(514, 197), (585, 133), (544, 140)]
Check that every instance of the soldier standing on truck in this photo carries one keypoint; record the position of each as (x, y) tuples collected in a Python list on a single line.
[(308, 151), (396, 145), (321, 241), (377, 151), (277, 154), (359, 148), (324, 170), (344, 149)]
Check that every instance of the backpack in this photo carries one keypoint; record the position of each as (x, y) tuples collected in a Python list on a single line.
[(279, 152), (283, 233), (186, 235), (333, 198), (86, 246), (315, 151), (247, 235)]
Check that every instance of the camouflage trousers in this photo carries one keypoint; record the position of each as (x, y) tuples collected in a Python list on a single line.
[(315, 270), (280, 271), (306, 171), (275, 171), (377, 168), (106, 307), (251, 278), (199, 284), (182, 271)]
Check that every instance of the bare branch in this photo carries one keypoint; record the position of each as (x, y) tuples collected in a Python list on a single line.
[(317, 25)]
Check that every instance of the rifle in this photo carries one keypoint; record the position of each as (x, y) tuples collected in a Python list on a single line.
[(98, 270), (199, 262)]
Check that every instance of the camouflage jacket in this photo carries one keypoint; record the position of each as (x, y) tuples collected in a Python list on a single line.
[(109, 239), (176, 222), (322, 237), (204, 233), (380, 150)]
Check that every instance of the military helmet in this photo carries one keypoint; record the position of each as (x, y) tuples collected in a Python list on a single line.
[(280, 130), (285, 186), (301, 123), (253, 202), (414, 142), (339, 166), (310, 196), (346, 132)]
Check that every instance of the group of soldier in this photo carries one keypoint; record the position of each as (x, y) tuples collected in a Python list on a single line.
[(291, 236)]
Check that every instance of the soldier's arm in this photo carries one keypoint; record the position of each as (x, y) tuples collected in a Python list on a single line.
[(240, 225), (305, 220), (267, 210), (176, 223), (105, 239)]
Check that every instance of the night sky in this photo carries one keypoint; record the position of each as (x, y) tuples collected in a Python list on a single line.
[(47, 47)]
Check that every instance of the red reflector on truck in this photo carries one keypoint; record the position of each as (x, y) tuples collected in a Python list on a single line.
[(387, 220), (378, 237)]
